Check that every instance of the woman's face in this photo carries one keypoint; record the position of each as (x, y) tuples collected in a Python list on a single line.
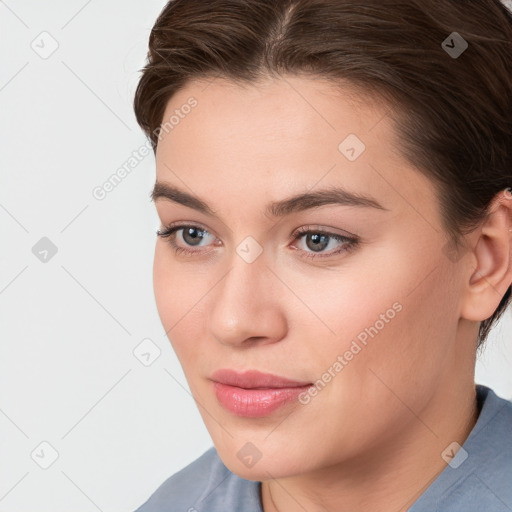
[(370, 325)]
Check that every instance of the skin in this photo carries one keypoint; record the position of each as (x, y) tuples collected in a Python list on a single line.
[(372, 438)]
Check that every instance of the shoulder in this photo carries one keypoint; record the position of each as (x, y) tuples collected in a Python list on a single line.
[(206, 483), (479, 476), (491, 451), (186, 485), (490, 442)]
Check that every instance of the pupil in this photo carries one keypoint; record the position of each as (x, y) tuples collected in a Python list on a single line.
[(315, 238), (194, 237)]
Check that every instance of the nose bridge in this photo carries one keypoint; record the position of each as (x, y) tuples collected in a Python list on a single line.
[(243, 305), (243, 286)]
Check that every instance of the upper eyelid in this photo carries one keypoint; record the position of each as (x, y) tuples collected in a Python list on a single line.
[(348, 241), (178, 226), (297, 233), (301, 230)]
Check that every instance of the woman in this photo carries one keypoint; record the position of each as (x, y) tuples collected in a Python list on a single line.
[(333, 187)]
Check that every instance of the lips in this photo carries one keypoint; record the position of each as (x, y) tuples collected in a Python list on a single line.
[(253, 379), (253, 393)]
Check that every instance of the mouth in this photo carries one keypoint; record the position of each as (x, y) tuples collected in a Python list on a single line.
[(254, 394)]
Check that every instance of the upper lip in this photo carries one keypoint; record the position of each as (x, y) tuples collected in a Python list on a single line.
[(253, 379)]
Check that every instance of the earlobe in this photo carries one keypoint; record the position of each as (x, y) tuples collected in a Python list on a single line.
[(491, 274)]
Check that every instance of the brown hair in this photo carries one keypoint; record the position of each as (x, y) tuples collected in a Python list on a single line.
[(452, 112)]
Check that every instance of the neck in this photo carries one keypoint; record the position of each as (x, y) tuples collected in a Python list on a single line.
[(393, 476)]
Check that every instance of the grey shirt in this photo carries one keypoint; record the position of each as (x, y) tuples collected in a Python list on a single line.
[(477, 479)]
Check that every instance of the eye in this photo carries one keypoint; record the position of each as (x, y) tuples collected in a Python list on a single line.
[(317, 241), (192, 235)]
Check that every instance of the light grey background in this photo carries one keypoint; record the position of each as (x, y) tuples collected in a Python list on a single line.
[(69, 377)]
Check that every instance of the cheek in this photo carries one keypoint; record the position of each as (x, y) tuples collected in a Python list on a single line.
[(164, 287), (180, 300), (402, 359), (173, 298), (386, 318), (359, 301)]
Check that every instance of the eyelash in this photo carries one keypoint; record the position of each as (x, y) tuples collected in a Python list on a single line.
[(350, 242)]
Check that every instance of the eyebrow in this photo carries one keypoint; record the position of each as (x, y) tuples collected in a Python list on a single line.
[(296, 203)]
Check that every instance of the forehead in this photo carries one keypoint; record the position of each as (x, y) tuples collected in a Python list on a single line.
[(293, 133), (280, 109)]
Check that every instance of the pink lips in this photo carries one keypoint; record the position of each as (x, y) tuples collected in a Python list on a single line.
[(254, 394)]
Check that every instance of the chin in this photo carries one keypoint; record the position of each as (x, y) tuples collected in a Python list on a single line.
[(251, 463)]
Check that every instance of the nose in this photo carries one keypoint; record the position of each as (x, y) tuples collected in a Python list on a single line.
[(245, 307)]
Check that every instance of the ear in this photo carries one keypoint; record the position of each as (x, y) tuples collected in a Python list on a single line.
[(490, 274)]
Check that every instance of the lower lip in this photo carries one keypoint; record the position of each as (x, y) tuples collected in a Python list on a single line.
[(255, 403)]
